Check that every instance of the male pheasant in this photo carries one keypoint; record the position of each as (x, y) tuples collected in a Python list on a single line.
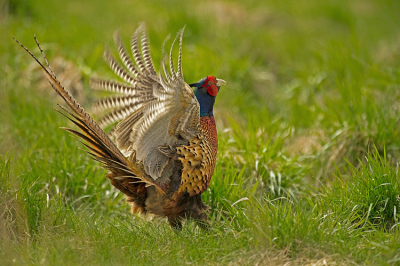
[(166, 144)]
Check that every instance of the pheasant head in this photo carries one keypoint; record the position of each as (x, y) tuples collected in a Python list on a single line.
[(206, 90)]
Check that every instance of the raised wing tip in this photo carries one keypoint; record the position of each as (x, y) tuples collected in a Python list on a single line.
[(116, 35), (142, 24)]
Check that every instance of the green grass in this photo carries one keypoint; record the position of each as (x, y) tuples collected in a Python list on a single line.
[(309, 147)]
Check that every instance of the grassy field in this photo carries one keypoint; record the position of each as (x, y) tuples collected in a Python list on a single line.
[(308, 164)]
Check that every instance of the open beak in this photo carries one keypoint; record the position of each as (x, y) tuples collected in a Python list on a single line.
[(220, 82)]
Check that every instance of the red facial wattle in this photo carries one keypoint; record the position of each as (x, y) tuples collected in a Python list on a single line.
[(212, 90), (209, 84)]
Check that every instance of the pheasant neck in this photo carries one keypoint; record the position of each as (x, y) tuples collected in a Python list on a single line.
[(206, 102)]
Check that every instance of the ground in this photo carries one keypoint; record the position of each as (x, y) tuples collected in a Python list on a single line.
[(307, 168)]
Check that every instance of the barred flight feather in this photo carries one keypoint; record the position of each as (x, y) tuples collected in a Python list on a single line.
[(118, 69), (121, 102), (124, 130), (113, 86), (124, 56), (166, 74), (111, 118), (171, 61), (146, 52), (180, 74), (117, 115), (136, 51)]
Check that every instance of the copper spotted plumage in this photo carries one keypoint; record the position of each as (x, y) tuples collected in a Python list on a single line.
[(162, 152), (198, 158)]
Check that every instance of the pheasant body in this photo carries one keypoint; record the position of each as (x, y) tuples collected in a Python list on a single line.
[(190, 176), (198, 158), (166, 143)]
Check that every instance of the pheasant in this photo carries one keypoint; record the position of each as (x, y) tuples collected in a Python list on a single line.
[(165, 144)]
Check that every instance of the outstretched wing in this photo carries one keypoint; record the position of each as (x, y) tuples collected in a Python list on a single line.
[(126, 175), (156, 110)]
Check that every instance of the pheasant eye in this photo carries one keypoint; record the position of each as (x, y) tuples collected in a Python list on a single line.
[(209, 83)]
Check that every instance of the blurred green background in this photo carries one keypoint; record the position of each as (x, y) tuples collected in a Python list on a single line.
[(308, 124)]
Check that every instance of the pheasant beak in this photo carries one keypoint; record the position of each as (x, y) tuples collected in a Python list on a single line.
[(220, 82)]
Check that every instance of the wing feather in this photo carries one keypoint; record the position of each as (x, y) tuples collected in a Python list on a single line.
[(124, 56), (117, 68), (135, 49), (146, 52), (158, 110), (180, 74), (171, 61), (113, 86)]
